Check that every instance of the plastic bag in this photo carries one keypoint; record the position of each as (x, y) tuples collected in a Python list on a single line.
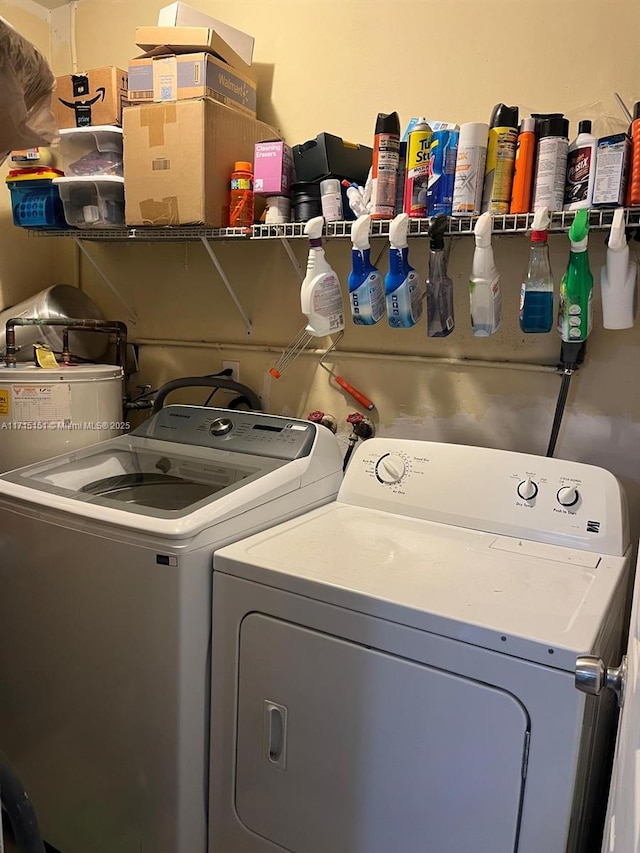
[(26, 87)]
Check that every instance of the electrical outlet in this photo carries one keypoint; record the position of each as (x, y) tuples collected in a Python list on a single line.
[(235, 366)]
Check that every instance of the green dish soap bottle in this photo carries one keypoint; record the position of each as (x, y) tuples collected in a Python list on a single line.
[(575, 313)]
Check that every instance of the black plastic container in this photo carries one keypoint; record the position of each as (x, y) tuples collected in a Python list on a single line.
[(329, 155), (305, 201)]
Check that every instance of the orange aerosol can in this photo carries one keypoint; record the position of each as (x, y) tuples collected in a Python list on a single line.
[(524, 166)]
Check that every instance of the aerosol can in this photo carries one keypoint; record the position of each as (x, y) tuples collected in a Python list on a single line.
[(402, 286), (440, 322), (366, 288), (618, 279)]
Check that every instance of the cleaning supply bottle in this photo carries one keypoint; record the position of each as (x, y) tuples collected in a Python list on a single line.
[(634, 175), (417, 171), (581, 169), (440, 322), (471, 161), (401, 284), (618, 279), (241, 206), (384, 168), (524, 166), (501, 155), (551, 161), (484, 285), (320, 294), (366, 288), (575, 313), (536, 294)]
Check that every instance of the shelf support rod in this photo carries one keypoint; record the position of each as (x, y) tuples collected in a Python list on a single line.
[(292, 257), (132, 314), (214, 259)]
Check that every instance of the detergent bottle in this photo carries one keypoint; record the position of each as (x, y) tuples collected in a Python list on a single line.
[(575, 313), (320, 294), (484, 285), (440, 322), (618, 279), (402, 285), (366, 288), (536, 293)]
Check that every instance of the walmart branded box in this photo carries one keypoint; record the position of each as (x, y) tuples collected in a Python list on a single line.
[(190, 75)]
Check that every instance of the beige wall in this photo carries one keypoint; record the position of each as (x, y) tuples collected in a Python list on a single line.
[(26, 262), (331, 66)]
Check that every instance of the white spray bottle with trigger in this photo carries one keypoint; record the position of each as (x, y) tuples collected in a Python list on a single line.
[(484, 285), (320, 294), (402, 289), (618, 279), (366, 288)]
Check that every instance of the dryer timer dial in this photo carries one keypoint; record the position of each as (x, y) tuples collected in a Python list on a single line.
[(390, 468)]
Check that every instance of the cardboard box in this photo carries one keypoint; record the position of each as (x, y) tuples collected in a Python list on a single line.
[(178, 160), (272, 168), (190, 75), (96, 96), (181, 15), (159, 41)]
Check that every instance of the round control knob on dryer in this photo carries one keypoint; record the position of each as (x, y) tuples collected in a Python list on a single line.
[(568, 496), (220, 426), (390, 468), (527, 489)]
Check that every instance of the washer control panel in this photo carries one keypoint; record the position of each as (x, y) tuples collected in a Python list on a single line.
[(237, 431), (537, 498)]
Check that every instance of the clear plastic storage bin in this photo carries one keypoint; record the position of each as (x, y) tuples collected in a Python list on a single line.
[(96, 202), (91, 151)]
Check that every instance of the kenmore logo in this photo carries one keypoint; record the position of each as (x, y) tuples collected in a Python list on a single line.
[(178, 415), (593, 527)]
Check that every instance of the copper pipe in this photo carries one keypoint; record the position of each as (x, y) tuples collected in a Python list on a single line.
[(114, 327)]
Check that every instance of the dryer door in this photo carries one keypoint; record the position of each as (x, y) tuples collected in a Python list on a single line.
[(344, 748), (622, 828)]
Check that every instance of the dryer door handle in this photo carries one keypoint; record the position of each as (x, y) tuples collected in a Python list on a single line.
[(275, 733)]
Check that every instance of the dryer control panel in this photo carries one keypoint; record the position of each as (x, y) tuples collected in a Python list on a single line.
[(515, 494)]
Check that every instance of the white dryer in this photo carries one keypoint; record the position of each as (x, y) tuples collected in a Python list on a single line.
[(395, 671), (105, 614)]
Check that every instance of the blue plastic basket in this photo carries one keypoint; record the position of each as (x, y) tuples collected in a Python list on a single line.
[(36, 204)]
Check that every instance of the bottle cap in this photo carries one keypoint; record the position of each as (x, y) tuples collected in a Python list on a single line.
[(528, 125), (330, 185), (551, 124), (388, 123), (242, 166), (636, 110), (473, 133), (584, 126), (504, 116), (540, 225)]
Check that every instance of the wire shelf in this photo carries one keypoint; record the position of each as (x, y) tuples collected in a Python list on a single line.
[(457, 226)]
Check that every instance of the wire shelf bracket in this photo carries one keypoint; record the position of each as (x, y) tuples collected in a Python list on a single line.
[(133, 317), (225, 280)]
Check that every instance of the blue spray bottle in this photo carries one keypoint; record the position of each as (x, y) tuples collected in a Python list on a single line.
[(366, 288), (403, 293), (536, 293)]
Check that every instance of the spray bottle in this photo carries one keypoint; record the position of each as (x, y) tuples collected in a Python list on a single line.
[(575, 312), (536, 294), (366, 288), (618, 279), (484, 285), (440, 322), (320, 294), (401, 284)]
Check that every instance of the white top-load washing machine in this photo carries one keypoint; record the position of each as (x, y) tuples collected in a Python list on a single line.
[(395, 671), (105, 614)]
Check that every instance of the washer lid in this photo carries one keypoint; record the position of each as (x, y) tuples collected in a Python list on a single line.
[(447, 580)]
